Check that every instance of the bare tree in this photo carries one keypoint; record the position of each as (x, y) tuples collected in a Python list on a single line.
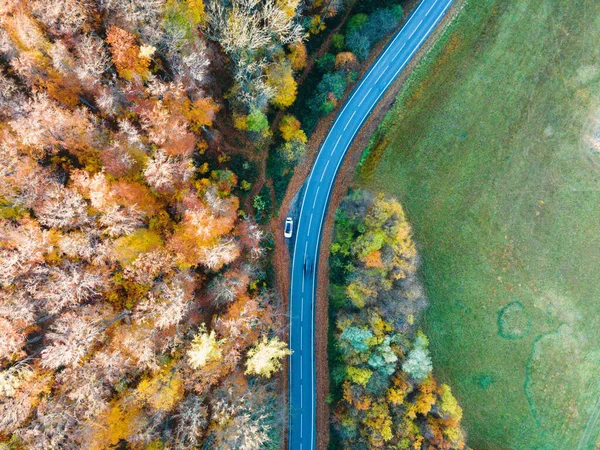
[(168, 303), (71, 337), (192, 420)]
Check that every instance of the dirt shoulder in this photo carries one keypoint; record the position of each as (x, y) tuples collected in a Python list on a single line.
[(343, 181)]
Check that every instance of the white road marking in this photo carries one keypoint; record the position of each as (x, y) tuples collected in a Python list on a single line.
[(309, 225), (323, 174), (336, 144), (380, 75), (315, 200), (366, 95), (350, 119), (415, 30), (427, 13)]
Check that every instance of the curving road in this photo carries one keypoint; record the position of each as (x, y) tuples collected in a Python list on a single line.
[(366, 95)]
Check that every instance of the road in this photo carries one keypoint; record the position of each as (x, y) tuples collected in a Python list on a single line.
[(368, 92)]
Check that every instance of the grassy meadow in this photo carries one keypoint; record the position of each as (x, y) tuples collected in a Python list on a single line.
[(493, 150)]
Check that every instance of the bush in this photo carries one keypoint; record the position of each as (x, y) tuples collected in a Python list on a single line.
[(356, 22), (359, 44), (326, 63), (330, 89), (338, 42), (381, 23), (257, 121), (262, 204)]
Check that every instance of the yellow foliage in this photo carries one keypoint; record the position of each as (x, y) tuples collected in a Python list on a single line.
[(297, 56), (455, 436), (161, 391), (380, 424), (424, 402), (265, 358), (395, 396), (379, 326), (345, 61), (204, 349), (196, 11), (448, 404), (240, 122), (358, 293), (316, 24), (280, 78), (290, 129), (201, 113), (288, 6), (127, 248), (155, 445), (359, 375), (120, 421)]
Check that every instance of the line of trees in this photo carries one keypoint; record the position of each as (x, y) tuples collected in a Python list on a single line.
[(383, 392)]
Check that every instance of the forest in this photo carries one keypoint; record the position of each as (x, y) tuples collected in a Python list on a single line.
[(136, 308), (383, 393)]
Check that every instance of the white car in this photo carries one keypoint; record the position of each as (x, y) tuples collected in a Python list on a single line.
[(289, 227)]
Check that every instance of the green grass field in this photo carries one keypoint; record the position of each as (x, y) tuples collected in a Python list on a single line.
[(491, 154)]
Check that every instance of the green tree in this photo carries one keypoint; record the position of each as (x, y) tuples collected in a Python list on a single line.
[(257, 121)]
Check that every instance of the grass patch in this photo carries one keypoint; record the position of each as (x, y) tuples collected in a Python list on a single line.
[(490, 154)]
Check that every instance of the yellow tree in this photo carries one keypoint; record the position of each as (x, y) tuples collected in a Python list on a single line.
[(205, 348), (264, 358), (281, 79), (290, 129)]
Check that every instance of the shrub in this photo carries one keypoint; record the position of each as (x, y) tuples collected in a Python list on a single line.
[(330, 89), (338, 42), (257, 121), (345, 61), (262, 204), (359, 44), (356, 22), (381, 23), (326, 63)]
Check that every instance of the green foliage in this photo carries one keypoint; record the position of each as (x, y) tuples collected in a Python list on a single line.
[(326, 63), (357, 338), (418, 363), (257, 121), (338, 42), (262, 204), (356, 22), (359, 375), (330, 89)]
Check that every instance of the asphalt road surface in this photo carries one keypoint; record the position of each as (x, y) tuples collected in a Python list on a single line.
[(307, 233)]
